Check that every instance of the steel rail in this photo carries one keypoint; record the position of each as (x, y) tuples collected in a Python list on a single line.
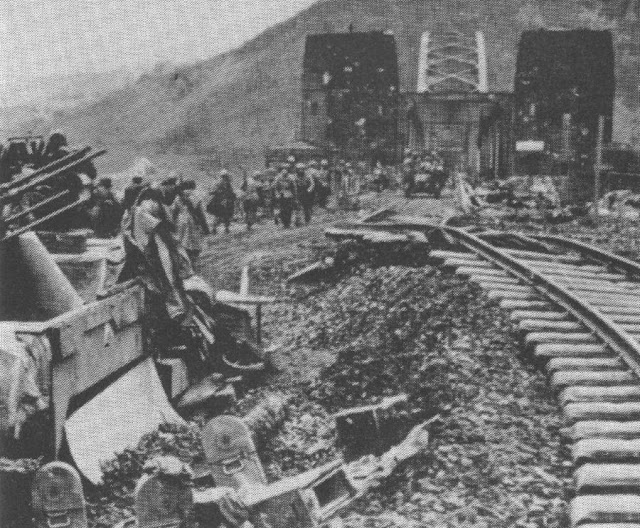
[(606, 257), (609, 332)]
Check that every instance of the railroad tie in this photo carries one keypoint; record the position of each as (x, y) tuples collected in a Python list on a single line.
[(535, 338), (542, 325), (555, 265), (489, 271), (491, 280), (613, 285), (624, 319), (615, 508), (605, 451), (442, 254), (473, 264), (513, 292), (600, 378), (513, 304), (567, 350), (603, 429), (547, 315), (611, 394), (610, 291), (548, 265), (596, 364), (546, 257), (555, 273), (623, 412), (605, 299), (629, 285), (607, 478)]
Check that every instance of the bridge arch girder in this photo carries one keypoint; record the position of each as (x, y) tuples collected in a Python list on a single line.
[(452, 57)]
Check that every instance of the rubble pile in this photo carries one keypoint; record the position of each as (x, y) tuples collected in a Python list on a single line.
[(496, 457), (612, 234), (112, 501), (306, 440)]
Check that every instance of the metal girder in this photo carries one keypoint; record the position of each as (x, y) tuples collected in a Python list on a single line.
[(458, 58), (452, 56)]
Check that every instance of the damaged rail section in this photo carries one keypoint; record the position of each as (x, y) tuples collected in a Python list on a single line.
[(577, 308)]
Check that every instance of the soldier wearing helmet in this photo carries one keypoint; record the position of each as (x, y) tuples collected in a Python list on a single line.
[(285, 193), (251, 197), (408, 174), (323, 183), (222, 202), (305, 182), (105, 210), (266, 192)]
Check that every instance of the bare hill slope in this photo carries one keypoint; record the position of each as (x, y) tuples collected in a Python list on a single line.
[(250, 97)]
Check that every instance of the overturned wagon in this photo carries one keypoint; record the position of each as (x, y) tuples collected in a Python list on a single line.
[(58, 351), (83, 375)]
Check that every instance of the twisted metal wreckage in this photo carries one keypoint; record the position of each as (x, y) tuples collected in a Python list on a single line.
[(167, 496), (75, 357)]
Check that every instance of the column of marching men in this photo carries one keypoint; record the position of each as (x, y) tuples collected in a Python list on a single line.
[(286, 193)]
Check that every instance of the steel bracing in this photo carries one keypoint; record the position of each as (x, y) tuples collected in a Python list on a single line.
[(452, 62)]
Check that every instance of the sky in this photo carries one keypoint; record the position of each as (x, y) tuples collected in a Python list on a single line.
[(49, 37)]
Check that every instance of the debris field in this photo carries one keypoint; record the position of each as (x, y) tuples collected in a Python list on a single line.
[(377, 328)]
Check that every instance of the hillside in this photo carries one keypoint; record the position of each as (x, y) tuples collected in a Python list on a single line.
[(24, 100), (245, 99)]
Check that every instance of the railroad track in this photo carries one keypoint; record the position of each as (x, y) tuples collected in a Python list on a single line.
[(579, 308)]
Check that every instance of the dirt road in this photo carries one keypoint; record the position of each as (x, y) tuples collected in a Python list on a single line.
[(227, 254)]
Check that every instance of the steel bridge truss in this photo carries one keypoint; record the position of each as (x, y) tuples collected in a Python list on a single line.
[(452, 62)]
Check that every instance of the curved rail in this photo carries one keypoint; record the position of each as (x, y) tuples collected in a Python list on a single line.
[(606, 257), (605, 328)]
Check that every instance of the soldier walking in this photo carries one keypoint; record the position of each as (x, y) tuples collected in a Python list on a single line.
[(306, 192), (285, 190), (131, 192), (222, 202), (190, 219), (267, 200), (323, 184), (105, 211), (250, 187)]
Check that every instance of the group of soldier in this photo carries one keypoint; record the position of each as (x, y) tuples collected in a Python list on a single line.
[(287, 193)]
